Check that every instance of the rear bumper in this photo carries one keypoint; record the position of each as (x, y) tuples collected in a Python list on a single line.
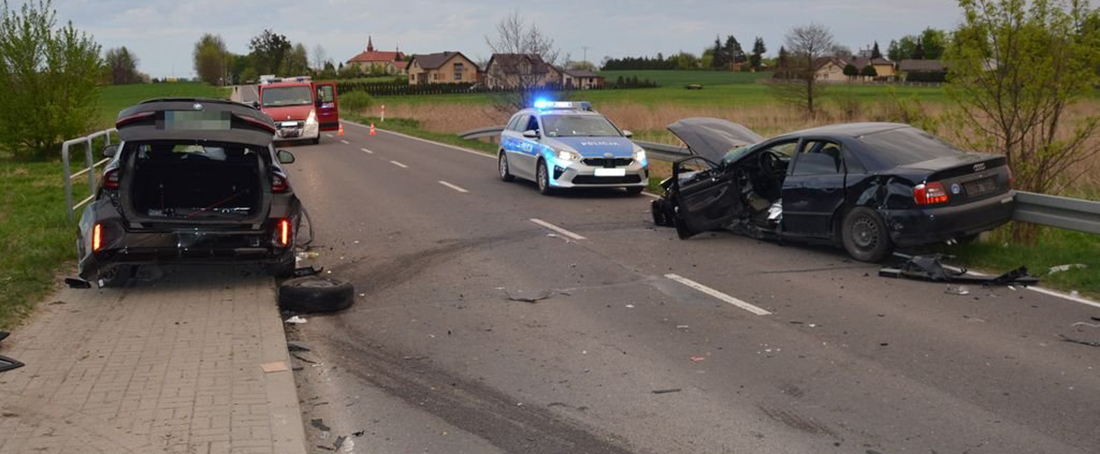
[(933, 225), (566, 174)]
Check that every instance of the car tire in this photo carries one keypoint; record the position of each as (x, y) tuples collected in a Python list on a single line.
[(634, 190), (660, 215), (542, 179), (503, 169), (316, 294), (116, 276), (316, 140), (865, 236)]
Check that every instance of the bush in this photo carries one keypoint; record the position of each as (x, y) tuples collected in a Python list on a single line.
[(356, 101)]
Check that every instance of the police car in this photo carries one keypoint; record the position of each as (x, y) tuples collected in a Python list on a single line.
[(561, 145)]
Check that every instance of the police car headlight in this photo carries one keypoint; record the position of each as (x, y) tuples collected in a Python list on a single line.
[(567, 156), (639, 155)]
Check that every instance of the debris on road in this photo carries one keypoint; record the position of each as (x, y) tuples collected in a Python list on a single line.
[(297, 346), (73, 282), (667, 391), (6, 363), (957, 290), (1064, 268), (931, 268), (307, 271), (1079, 341), (277, 366), (359, 433), (319, 424), (698, 359), (304, 360), (534, 300), (296, 320), (316, 294)]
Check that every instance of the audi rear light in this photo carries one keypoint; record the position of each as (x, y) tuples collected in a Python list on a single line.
[(284, 232), (97, 237), (1010, 178), (930, 194), (279, 184), (111, 179)]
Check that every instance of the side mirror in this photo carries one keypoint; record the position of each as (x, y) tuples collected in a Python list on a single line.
[(627, 134), (256, 104), (110, 151), (531, 134), (285, 157)]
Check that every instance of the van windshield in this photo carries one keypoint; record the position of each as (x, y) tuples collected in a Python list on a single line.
[(287, 96)]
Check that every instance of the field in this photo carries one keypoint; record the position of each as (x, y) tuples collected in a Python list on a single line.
[(682, 78), (114, 98)]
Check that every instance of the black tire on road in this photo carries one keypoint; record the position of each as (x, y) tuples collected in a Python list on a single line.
[(542, 179), (660, 215), (502, 167), (316, 294), (865, 236)]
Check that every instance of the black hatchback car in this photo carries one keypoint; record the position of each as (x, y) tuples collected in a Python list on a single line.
[(192, 181), (867, 187)]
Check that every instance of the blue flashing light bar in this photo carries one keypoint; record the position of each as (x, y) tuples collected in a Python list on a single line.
[(543, 104)]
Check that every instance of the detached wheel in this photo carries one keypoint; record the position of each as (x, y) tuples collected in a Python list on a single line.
[(864, 235), (316, 294), (542, 178), (502, 167), (117, 276)]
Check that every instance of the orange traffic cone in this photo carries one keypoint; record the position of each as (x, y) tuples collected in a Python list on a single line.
[(372, 130), (341, 131)]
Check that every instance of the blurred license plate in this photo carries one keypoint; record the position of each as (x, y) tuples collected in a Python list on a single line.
[(610, 172), (980, 187)]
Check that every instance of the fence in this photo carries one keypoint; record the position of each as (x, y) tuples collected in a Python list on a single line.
[(90, 166)]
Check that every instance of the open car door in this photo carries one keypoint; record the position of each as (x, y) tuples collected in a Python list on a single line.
[(328, 113), (705, 199)]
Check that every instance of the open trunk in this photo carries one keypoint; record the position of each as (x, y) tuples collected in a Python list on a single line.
[(188, 182)]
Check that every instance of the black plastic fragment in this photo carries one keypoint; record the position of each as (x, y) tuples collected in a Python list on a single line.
[(73, 282), (7, 364), (931, 268)]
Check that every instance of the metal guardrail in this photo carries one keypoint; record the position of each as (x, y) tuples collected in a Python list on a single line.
[(1048, 210), (90, 166)]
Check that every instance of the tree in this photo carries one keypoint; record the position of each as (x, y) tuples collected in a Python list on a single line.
[(734, 51), (851, 71), (685, 61), (329, 72), (581, 66), (1018, 68), (758, 51), (515, 36), (806, 45), (933, 43), (783, 63), (869, 71), (50, 76), (297, 61), (894, 51), (875, 52), (122, 66), (319, 57), (719, 59), (269, 52), (211, 59), (918, 51), (840, 51)]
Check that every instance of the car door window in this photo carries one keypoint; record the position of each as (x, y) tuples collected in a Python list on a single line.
[(818, 157), (532, 124), (513, 124)]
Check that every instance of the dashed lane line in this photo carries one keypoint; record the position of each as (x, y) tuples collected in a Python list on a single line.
[(366, 151), (449, 185), (717, 294), (398, 164), (557, 229), (345, 142)]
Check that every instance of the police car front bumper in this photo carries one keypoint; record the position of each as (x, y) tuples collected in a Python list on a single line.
[(580, 174)]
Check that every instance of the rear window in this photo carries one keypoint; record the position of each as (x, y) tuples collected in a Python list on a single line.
[(288, 96), (901, 147)]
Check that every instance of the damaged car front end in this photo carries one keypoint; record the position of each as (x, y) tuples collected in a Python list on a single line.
[(865, 187)]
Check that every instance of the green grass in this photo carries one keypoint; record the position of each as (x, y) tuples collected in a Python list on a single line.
[(35, 234), (682, 78), (412, 128), (114, 98)]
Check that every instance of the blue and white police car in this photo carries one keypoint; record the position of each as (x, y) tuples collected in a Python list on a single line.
[(561, 145)]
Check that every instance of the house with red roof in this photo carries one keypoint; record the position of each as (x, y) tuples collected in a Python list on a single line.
[(375, 61)]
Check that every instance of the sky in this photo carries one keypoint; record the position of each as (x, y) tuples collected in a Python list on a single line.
[(162, 33)]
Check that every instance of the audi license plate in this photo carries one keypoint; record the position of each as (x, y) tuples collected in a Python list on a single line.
[(610, 172), (980, 187)]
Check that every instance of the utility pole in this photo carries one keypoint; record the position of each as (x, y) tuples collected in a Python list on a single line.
[(585, 53)]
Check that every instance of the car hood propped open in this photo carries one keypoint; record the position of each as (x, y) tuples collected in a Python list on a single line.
[(712, 138)]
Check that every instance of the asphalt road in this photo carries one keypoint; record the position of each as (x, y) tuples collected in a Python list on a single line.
[(623, 351)]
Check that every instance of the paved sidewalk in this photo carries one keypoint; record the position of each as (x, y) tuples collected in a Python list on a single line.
[(167, 365)]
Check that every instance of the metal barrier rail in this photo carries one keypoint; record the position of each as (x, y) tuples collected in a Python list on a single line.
[(89, 157), (1041, 209)]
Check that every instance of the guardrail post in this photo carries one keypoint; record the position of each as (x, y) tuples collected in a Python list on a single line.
[(91, 166), (68, 181)]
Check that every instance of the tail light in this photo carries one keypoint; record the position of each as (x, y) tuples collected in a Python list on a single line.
[(283, 232), (110, 179), (930, 194), (1010, 179), (97, 237), (278, 184)]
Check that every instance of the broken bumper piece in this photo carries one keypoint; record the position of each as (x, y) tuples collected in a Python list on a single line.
[(932, 269)]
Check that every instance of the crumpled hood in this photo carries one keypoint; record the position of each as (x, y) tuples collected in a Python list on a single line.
[(712, 138), (594, 147), (289, 113)]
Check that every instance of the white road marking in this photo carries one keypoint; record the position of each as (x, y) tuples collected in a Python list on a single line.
[(464, 150), (366, 151), (717, 294), (1075, 299), (398, 164), (344, 142), (557, 229), (328, 135), (444, 183)]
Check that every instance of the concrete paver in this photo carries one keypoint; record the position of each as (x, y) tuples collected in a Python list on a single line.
[(170, 365)]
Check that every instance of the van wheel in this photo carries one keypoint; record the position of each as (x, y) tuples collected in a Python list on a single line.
[(502, 167), (864, 235), (542, 178), (316, 294), (116, 276)]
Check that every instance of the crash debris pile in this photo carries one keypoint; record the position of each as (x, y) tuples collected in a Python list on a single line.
[(931, 268)]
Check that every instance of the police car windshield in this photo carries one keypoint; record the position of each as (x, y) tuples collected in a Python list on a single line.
[(287, 96), (578, 126)]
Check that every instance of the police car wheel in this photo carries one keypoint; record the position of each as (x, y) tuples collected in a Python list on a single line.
[(542, 178), (502, 167), (634, 191)]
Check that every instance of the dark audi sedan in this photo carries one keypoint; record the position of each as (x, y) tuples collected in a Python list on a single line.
[(192, 181), (867, 187)]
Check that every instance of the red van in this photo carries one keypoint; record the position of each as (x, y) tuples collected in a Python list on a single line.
[(300, 108)]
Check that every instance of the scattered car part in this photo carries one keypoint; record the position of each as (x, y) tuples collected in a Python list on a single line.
[(296, 346), (4, 335), (931, 268), (307, 271), (1079, 342), (77, 283), (316, 294), (7, 364), (296, 320)]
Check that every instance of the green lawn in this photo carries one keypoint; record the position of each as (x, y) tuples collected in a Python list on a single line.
[(682, 78), (114, 98)]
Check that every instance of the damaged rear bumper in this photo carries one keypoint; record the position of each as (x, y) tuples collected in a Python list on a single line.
[(913, 227)]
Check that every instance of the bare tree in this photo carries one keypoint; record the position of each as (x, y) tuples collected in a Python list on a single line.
[(806, 45), (320, 57), (526, 62)]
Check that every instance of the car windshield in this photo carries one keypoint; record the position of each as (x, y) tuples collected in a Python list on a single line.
[(578, 126), (288, 96), (736, 154), (900, 147)]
